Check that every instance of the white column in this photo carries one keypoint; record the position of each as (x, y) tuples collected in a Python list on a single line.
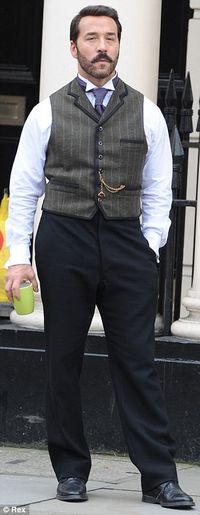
[(189, 326), (138, 66)]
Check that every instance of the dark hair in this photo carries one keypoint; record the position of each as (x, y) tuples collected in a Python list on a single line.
[(94, 10)]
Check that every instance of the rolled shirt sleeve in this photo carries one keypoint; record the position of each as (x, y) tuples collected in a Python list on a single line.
[(156, 195), (27, 182)]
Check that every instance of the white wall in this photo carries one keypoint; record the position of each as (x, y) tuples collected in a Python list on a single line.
[(139, 57)]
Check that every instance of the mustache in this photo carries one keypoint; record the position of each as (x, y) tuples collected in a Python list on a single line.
[(101, 56)]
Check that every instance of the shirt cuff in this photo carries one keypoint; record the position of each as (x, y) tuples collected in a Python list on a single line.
[(19, 255), (154, 240)]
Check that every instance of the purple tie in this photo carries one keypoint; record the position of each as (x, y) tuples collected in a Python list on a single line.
[(99, 94)]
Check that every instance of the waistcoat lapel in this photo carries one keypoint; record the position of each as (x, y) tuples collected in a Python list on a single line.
[(82, 102), (116, 101)]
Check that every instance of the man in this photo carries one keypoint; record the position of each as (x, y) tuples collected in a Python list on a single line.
[(106, 154)]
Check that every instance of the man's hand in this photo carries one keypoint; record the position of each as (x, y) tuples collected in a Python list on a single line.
[(14, 277)]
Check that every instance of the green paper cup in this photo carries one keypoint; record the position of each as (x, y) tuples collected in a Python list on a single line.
[(25, 305)]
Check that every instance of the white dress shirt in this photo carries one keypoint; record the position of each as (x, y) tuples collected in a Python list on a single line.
[(27, 182)]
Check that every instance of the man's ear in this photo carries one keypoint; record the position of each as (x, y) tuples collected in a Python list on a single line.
[(73, 49)]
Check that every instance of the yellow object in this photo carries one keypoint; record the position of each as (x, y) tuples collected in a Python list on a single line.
[(4, 252)]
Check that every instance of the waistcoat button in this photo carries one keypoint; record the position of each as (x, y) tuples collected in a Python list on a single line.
[(100, 128), (100, 156)]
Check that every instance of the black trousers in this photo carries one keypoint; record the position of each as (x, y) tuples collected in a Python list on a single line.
[(108, 263)]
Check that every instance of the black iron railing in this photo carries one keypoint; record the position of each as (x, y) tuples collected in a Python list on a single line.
[(171, 256)]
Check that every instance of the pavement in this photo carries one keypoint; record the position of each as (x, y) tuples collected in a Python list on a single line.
[(28, 485)]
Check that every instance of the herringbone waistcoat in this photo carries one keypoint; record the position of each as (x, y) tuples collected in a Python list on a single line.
[(84, 148)]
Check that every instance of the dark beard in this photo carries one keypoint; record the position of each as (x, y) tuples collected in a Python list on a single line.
[(89, 67)]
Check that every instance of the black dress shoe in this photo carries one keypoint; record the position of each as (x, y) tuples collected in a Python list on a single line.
[(168, 495), (72, 489)]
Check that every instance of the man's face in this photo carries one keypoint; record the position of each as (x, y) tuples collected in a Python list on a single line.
[(96, 48)]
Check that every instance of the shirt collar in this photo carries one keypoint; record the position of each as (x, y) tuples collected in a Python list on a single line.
[(89, 85)]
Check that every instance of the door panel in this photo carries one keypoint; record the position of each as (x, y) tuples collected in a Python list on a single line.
[(173, 45), (20, 55)]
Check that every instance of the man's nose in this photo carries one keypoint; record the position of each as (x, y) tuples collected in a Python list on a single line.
[(102, 46)]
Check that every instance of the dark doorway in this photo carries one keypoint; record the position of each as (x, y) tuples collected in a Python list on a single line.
[(20, 54), (173, 44)]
